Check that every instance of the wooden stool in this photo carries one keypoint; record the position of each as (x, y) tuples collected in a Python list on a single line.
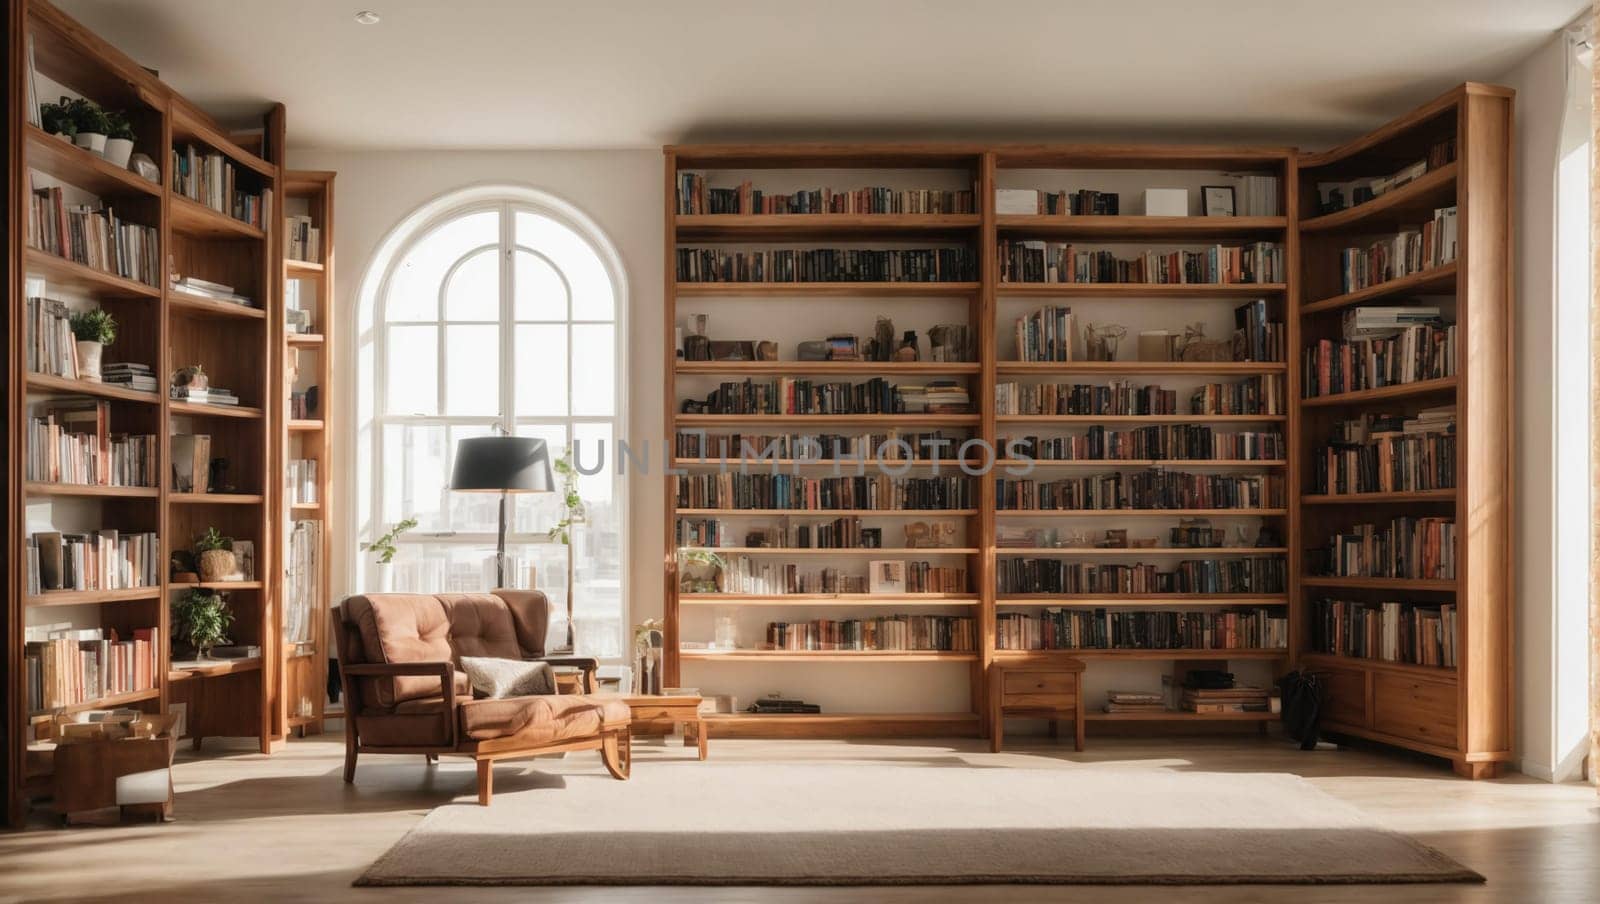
[(1053, 692)]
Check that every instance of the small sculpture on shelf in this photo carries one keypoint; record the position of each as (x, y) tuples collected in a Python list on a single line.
[(930, 534), (882, 345), (701, 571), (1103, 340), (908, 350), (1196, 347)]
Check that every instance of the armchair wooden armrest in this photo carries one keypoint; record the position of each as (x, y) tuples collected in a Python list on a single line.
[(445, 670), (588, 665)]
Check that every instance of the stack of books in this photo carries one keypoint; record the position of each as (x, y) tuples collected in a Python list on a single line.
[(1135, 702), (304, 240), (1234, 699), (938, 397), (191, 285), (129, 375), (212, 395)]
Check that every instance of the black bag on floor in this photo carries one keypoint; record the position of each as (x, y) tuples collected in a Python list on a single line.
[(1303, 693)]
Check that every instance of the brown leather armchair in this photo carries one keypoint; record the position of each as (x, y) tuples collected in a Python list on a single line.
[(399, 655)]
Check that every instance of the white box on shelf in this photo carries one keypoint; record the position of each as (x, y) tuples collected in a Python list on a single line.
[(1166, 202), (1016, 201)]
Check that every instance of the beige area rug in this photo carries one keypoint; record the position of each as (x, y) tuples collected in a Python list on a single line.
[(783, 824)]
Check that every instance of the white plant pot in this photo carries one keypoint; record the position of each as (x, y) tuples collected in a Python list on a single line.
[(63, 136), (91, 141), (89, 361), (385, 579), (118, 150)]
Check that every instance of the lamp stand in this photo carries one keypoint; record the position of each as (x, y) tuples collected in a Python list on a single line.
[(500, 547)]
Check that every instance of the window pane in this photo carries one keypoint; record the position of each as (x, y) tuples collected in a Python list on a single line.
[(412, 361), (474, 290), (541, 355), (414, 285), (536, 513), (594, 356), (472, 384), (541, 294), (597, 545), (471, 512), (443, 568), (592, 292), (415, 475)]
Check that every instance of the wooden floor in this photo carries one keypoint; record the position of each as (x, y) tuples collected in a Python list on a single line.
[(286, 827)]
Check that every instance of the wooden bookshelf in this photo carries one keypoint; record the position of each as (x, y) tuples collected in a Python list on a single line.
[(164, 329), (1461, 714)]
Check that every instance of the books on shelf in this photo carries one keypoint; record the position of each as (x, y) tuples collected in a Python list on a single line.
[(66, 666), (953, 633), (1405, 547), (302, 582), (73, 444), (129, 375), (1412, 251), (695, 196), (811, 265), (765, 577), (847, 450), (786, 491), (1218, 700), (93, 236), (1255, 336), (211, 179), (1084, 202), (1382, 347), (1419, 633), (102, 560), (1161, 442), (193, 285), (1120, 397), (1249, 575), (52, 347), (211, 395), (790, 395), (837, 533), (301, 480), (1061, 628), (1048, 334), (1029, 261), (1337, 196), (1385, 453), (1150, 489), (303, 239)]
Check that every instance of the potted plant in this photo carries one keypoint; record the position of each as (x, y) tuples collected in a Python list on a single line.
[(93, 126), (572, 512), (385, 548), (119, 141), (702, 571), (201, 619), (215, 555), (57, 120), (94, 329)]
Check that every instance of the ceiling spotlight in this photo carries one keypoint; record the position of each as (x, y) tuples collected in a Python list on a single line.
[(367, 17)]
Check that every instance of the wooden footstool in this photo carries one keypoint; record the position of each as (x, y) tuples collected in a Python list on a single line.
[(652, 714), (1053, 692)]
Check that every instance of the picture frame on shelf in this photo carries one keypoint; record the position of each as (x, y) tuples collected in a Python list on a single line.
[(1218, 200)]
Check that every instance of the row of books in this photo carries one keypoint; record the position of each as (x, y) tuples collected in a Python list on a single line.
[(59, 454), (66, 666), (1257, 337), (1414, 354), (1188, 533), (95, 237), (212, 179), (838, 533), (1120, 397), (1161, 442), (104, 560), (52, 347), (1385, 453), (954, 633), (1141, 490), (1083, 202), (1258, 574), (1412, 632), (1404, 547), (890, 446), (1060, 628), (696, 197), (1267, 395), (301, 480), (1336, 196), (788, 491), (1057, 262), (703, 265), (790, 395), (1409, 252), (1218, 700), (303, 239), (761, 577)]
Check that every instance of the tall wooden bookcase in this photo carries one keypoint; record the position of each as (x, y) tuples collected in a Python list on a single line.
[(1462, 713), (165, 328)]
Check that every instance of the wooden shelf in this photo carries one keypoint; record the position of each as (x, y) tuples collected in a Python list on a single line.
[(303, 425), (1358, 583), (1043, 657), (863, 289), (198, 409), (215, 498), (1141, 228), (92, 597), (1207, 552), (191, 218), (182, 671), (302, 268), (1437, 281), (880, 553), (108, 702), (1141, 513), (201, 306), (1144, 290), (1140, 600), (1331, 660), (1383, 393), (304, 340), (829, 420), (1199, 368), (1180, 716), (38, 488), (83, 169), (787, 368), (190, 129), (809, 226), (1372, 498), (84, 279), (45, 383), (884, 656), (836, 513), (1093, 419), (1113, 464), (1409, 204), (214, 585)]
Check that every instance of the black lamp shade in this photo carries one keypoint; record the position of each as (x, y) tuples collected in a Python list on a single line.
[(502, 464)]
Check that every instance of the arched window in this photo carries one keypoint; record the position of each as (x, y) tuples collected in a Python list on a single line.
[(489, 316)]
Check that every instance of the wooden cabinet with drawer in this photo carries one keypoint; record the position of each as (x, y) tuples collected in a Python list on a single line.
[(1346, 697), (1419, 709), (1051, 692)]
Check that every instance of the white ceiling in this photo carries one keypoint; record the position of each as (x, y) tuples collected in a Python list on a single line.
[(620, 74)]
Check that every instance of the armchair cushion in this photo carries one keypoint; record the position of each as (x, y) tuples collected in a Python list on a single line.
[(400, 627), (540, 720), (499, 678), (480, 626)]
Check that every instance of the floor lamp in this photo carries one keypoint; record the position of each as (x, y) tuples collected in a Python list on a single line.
[(504, 465)]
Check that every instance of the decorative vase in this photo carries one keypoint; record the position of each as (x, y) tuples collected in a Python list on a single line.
[(217, 564), (118, 150), (89, 360), (93, 142)]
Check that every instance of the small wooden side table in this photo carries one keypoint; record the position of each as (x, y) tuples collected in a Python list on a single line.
[(653, 713), (1053, 691)]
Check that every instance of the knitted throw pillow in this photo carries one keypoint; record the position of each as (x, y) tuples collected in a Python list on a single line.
[(508, 677)]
